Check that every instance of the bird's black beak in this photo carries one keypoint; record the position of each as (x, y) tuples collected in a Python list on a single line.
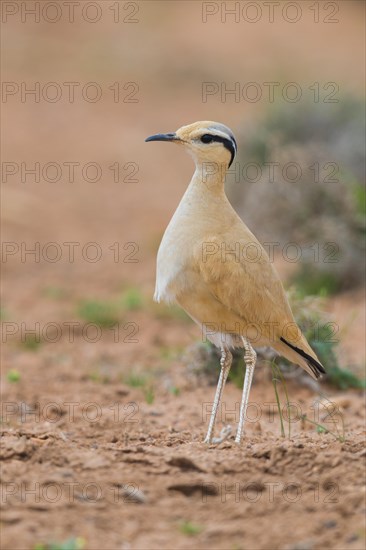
[(163, 137)]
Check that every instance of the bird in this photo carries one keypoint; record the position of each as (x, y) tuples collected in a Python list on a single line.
[(213, 267)]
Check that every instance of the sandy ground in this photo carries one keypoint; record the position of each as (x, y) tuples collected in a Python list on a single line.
[(85, 452), (94, 460)]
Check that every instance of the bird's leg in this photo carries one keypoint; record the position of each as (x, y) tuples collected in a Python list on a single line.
[(225, 363), (250, 358)]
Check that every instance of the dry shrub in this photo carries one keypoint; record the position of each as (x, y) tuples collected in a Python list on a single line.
[(314, 209)]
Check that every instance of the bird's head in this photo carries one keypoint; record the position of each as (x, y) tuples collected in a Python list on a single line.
[(206, 141)]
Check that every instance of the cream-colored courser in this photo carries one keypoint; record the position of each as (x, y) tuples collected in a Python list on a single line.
[(211, 264)]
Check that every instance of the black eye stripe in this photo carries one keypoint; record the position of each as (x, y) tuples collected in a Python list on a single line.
[(229, 144)]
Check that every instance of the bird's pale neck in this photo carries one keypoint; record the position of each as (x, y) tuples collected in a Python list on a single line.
[(209, 178)]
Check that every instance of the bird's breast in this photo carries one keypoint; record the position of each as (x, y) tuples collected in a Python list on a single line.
[(193, 220), (173, 265), (175, 260)]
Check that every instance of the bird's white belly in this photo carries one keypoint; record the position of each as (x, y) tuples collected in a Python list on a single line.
[(173, 272)]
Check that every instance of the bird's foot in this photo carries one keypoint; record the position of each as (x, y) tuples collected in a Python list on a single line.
[(224, 434)]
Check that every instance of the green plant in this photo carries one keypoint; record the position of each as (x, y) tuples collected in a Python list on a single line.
[(344, 378), (143, 381), (322, 334), (132, 299), (3, 314), (101, 313), (320, 428), (77, 543), (135, 379), (97, 376), (191, 529), (149, 394), (174, 390), (309, 280), (237, 371), (359, 195), (31, 342), (277, 377), (13, 376), (324, 430)]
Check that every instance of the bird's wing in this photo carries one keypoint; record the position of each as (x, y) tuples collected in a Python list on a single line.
[(238, 272)]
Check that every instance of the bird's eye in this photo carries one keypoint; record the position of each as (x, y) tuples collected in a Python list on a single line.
[(207, 138)]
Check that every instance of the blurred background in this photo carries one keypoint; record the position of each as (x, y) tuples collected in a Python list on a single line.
[(85, 201), (291, 90)]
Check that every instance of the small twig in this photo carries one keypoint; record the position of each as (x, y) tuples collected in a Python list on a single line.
[(338, 437)]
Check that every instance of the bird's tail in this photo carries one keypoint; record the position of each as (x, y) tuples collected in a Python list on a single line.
[(301, 354)]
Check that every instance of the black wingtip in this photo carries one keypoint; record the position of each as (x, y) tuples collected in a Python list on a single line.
[(316, 368)]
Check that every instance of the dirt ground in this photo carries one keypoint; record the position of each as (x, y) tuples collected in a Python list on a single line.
[(102, 435), (121, 473)]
